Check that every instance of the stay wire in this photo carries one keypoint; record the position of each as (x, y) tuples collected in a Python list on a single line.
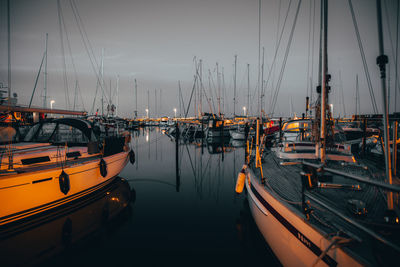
[(366, 71), (277, 89)]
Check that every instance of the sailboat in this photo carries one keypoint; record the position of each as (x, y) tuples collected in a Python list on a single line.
[(60, 161), (313, 202)]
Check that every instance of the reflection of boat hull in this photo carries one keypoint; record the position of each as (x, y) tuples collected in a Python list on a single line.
[(293, 240), (237, 135), (33, 192), (238, 143), (37, 240), (218, 132)]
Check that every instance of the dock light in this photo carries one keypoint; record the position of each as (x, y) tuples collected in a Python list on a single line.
[(244, 111), (147, 112), (51, 103), (175, 112)]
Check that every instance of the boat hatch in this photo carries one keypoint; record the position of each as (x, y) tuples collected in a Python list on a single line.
[(74, 154), (29, 161)]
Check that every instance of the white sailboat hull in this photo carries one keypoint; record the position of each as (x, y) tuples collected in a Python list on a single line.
[(292, 239), (25, 194)]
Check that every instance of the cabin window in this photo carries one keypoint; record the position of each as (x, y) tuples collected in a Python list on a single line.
[(41, 135), (68, 134)]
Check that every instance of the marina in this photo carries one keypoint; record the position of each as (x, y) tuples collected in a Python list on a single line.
[(132, 150)]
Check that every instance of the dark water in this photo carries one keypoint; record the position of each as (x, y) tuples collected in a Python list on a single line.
[(183, 212)]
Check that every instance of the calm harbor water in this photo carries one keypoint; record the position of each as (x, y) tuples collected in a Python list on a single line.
[(183, 212)]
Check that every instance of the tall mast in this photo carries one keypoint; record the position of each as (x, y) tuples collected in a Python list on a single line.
[(148, 103), (234, 90), (45, 75), (324, 69), (75, 93), (357, 97), (382, 60), (201, 88), (179, 97), (135, 99), (248, 89), (155, 103), (219, 92), (259, 52), (102, 82), (9, 52), (117, 100), (262, 83)]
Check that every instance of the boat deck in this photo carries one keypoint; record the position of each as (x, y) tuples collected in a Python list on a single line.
[(285, 183)]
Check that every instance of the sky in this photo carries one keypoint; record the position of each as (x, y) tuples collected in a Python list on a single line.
[(157, 42)]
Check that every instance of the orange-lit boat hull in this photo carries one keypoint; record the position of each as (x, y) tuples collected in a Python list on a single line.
[(26, 194)]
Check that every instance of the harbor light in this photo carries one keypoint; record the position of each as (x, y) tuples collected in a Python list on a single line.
[(147, 112), (244, 111), (51, 103), (175, 112)]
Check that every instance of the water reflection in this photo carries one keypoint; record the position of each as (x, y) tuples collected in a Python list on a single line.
[(186, 213), (34, 241)]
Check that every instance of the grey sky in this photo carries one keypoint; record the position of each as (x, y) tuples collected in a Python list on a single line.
[(155, 42)]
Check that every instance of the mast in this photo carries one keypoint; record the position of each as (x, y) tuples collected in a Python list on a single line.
[(324, 95), (148, 103), (357, 97), (259, 52), (248, 89), (201, 88), (102, 82), (135, 99), (155, 103), (117, 100), (9, 52), (75, 93), (179, 97), (219, 93), (381, 61), (262, 84), (45, 75), (234, 90)]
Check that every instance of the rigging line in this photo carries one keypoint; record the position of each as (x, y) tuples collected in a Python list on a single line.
[(278, 45), (88, 48), (371, 92), (73, 3), (285, 58), (191, 95), (308, 52), (60, 19), (394, 54), (37, 78), (70, 53)]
